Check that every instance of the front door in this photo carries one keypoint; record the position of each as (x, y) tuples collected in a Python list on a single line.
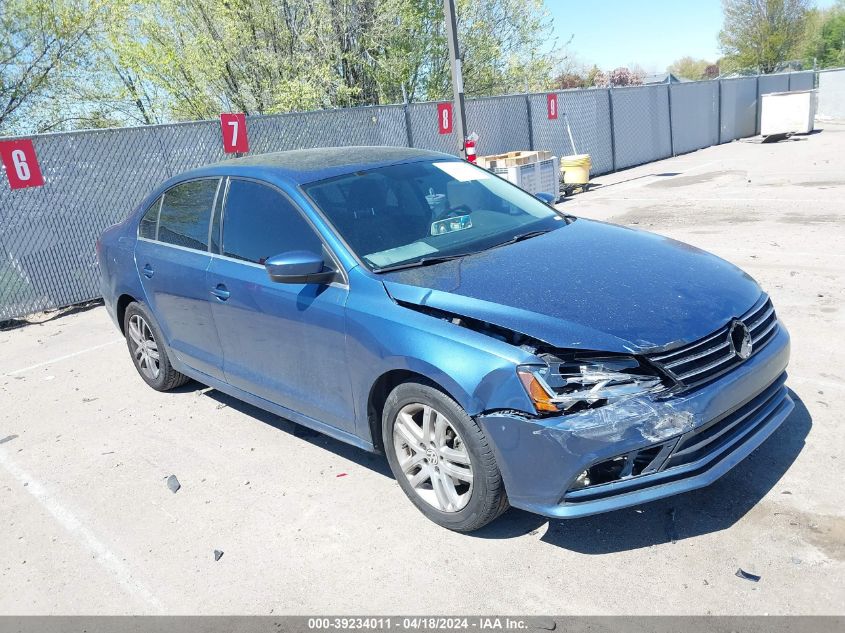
[(172, 259), (282, 342)]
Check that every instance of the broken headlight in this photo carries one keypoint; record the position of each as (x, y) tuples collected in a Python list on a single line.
[(574, 383)]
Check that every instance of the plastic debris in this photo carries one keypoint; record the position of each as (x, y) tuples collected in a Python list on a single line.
[(173, 484), (341, 474), (218, 554), (741, 573), (8, 438)]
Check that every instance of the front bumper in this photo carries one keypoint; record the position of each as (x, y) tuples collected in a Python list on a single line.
[(706, 432)]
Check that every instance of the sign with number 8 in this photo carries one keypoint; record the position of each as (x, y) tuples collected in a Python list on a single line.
[(233, 127), (444, 118), (21, 165)]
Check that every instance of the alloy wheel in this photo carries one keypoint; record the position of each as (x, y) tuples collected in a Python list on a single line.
[(144, 346), (433, 457)]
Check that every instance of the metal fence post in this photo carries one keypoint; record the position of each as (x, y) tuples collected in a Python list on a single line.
[(759, 105), (719, 114), (408, 132), (671, 131), (612, 134), (530, 122)]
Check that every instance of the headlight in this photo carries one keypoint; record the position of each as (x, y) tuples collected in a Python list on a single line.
[(572, 383)]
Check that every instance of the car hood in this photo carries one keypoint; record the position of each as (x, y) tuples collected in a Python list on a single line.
[(588, 285)]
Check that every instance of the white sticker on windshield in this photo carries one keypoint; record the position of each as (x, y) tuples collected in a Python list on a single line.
[(460, 170), (400, 254)]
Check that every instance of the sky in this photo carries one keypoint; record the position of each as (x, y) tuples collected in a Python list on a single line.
[(651, 33)]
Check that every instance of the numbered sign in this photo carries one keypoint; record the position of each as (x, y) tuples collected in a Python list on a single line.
[(21, 165), (551, 102), (233, 127), (444, 118)]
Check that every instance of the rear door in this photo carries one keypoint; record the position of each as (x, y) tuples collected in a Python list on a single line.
[(282, 342), (172, 257)]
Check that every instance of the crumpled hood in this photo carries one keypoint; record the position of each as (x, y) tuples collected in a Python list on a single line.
[(588, 285)]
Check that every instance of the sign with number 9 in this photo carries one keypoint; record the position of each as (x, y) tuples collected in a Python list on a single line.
[(21, 165)]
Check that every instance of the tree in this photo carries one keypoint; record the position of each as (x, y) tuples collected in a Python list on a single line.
[(618, 77), (690, 68), (762, 33), (40, 41), (825, 37)]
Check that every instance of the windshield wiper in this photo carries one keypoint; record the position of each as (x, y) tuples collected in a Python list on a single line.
[(425, 261), (520, 238)]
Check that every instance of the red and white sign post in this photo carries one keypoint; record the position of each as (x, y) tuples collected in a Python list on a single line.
[(22, 167), (233, 127), (551, 105), (444, 118)]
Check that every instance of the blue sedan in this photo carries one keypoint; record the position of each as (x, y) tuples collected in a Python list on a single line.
[(499, 352)]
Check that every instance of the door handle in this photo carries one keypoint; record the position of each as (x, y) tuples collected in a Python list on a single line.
[(148, 271), (220, 292)]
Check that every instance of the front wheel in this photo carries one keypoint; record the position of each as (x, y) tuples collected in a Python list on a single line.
[(441, 458)]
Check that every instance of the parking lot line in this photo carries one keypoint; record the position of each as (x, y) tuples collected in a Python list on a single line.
[(62, 358), (102, 554)]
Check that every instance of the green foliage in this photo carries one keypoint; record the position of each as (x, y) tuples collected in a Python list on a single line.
[(40, 40), (825, 38), (690, 68), (152, 61), (761, 34)]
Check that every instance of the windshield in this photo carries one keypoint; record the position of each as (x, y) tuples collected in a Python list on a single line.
[(417, 212)]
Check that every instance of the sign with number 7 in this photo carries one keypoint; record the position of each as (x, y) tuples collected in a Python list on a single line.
[(233, 127), (21, 164)]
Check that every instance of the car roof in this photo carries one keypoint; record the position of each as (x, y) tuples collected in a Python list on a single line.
[(302, 166)]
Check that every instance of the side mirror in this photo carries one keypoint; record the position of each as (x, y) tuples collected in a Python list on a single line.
[(548, 198), (299, 267)]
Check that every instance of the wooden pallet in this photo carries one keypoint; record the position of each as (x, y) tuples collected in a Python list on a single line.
[(512, 159)]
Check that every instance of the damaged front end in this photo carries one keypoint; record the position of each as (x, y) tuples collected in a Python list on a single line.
[(601, 430)]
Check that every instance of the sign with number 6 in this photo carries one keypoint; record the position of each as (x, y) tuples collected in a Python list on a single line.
[(21, 165), (233, 127), (444, 118)]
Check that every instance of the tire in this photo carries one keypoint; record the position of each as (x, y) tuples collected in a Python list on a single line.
[(158, 373), (453, 438)]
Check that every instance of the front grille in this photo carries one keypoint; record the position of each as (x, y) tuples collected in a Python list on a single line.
[(722, 434), (708, 358)]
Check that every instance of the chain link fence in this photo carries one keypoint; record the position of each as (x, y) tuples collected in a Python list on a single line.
[(93, 179)]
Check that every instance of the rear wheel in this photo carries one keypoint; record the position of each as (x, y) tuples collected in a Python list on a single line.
[(146, 345), (441, 458)]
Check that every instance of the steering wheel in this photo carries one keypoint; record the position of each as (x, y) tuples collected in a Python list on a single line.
[(462, 209)]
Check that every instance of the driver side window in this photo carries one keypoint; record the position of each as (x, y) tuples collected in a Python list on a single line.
[(260, 222)]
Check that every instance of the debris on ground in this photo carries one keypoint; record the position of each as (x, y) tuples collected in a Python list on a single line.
[(201, 392), (741, 573), (89, 399), (341, 474), (173, 484), (218, 554), (8, 438)]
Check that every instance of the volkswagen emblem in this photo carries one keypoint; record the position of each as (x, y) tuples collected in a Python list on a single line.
[(741, 339)]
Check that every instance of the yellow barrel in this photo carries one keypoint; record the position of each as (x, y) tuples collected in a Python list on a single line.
[(576, 169)]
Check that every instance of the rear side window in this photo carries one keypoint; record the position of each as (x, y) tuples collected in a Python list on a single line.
[(149, 222), (259, 222), (186, 212)]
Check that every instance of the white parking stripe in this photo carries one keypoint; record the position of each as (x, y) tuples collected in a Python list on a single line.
[(73, 525), (61, 358)]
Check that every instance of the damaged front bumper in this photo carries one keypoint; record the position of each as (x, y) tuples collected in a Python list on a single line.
[(642, 448)]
